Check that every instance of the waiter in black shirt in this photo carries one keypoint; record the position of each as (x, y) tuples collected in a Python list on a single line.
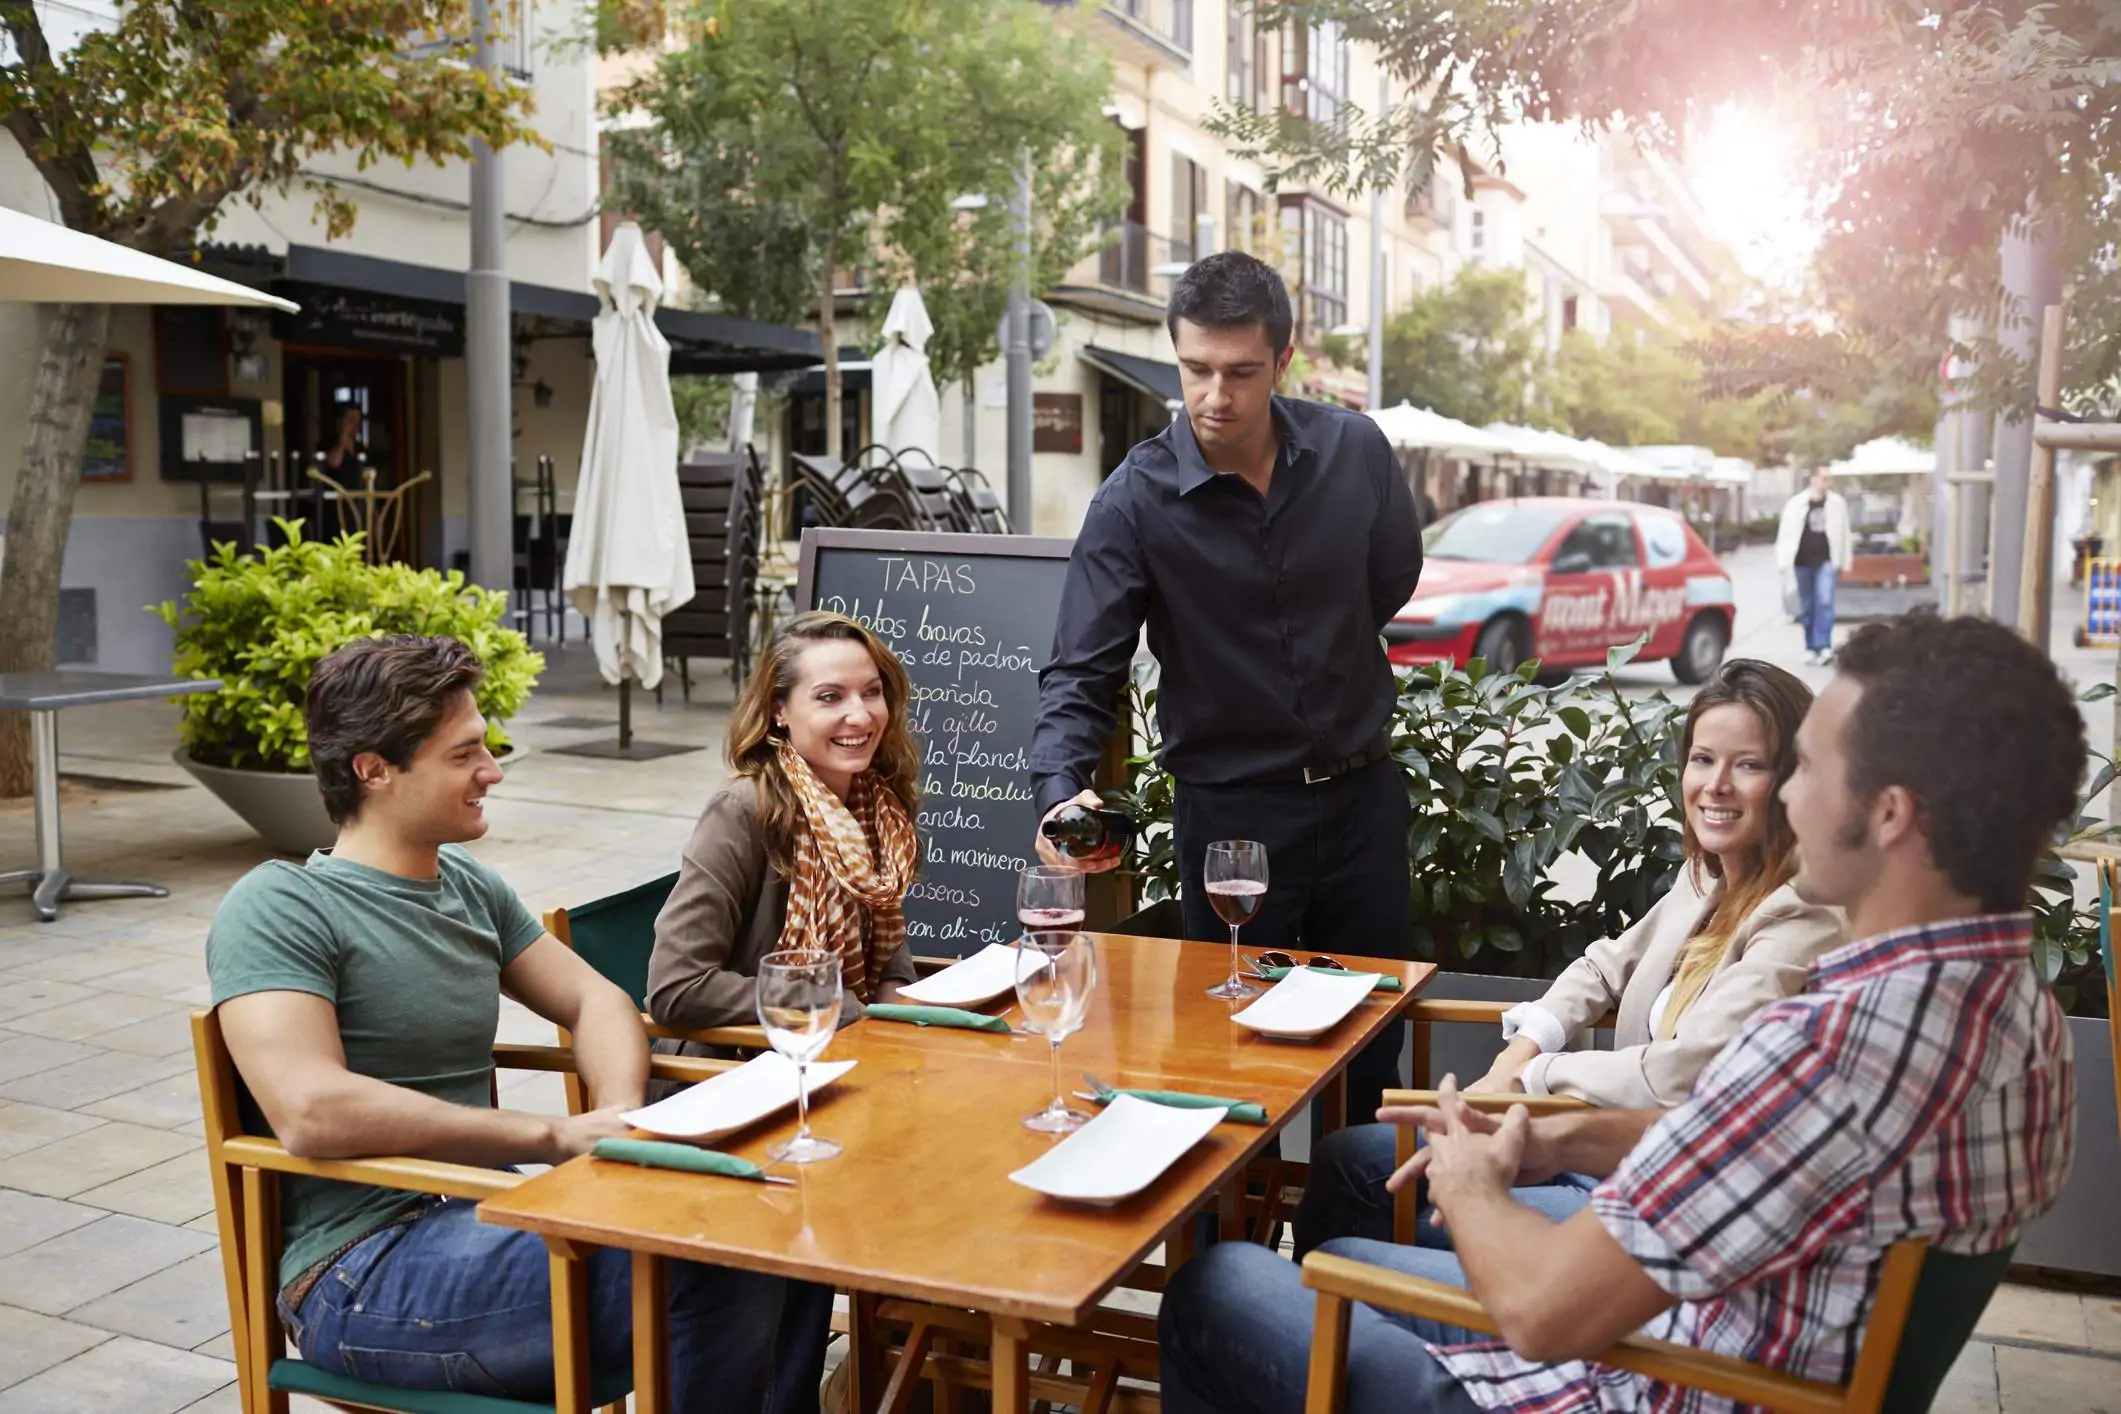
[(1265, 542)]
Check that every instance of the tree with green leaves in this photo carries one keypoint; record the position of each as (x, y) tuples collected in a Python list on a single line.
[(144, 132), (789, 142), (1647, 387), (1468, 349), (1941, 123)]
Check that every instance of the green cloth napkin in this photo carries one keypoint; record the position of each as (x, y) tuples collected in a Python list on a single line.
[(1384, 984), (938, 1016), (1240, 1111), (653, 1154)]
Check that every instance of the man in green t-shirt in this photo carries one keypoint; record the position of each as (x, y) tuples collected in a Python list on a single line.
[(360, 993)]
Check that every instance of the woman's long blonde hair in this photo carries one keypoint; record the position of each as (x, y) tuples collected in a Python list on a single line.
[(754, 745), (1778, 701)]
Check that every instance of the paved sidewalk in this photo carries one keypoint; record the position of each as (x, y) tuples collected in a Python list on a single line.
[(111, 1299)]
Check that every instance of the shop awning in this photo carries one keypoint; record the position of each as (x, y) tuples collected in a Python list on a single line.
[(1152, 376), (699, 342)]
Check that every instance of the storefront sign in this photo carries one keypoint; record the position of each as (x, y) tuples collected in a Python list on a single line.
[(354, 319), (1056, 422)]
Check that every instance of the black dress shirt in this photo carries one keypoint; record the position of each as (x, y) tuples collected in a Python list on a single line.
[(1263, 612)]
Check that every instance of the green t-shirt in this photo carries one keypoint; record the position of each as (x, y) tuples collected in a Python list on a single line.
[(413, 967)]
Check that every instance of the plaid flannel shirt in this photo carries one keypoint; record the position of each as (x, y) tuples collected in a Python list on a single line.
[(1919, 1087)]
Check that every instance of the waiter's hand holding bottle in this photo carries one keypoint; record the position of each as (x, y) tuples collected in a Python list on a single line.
[(1082, 834)]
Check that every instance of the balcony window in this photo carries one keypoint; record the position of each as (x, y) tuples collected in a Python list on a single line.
[(1245, 57), (1315, 75), (1241, 217), (1315, 249), (1189, 203)]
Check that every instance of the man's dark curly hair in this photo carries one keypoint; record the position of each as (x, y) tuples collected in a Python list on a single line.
[(1981, 729), (386, 695)]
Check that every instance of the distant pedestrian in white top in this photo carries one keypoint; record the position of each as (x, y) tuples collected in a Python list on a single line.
[(1813, 548)]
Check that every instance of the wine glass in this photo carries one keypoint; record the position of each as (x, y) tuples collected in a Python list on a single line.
[(799, 1007), (1050, 900), (1235, 874), (1055, 975)]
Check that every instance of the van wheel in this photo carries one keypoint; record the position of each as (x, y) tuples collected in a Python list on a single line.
[(1701, 650), (1502, 643)]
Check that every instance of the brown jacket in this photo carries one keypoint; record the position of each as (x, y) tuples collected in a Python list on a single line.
[(723, 916)]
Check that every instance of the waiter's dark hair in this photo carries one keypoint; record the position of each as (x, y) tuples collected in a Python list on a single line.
[(1232, 290)]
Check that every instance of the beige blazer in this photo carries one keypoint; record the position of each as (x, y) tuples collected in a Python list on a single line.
[(724, 914), (1768, 960)]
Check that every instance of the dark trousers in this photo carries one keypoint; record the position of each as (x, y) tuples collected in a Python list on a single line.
[(1336, 882)]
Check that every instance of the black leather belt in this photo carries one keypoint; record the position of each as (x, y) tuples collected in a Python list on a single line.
[(1379, 747)]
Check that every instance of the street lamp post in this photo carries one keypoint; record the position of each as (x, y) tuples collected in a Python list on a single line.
[(1377, 263), (1016, 355), (486, 346)]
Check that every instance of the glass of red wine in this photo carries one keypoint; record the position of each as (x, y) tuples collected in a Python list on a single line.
[(1050, 900), (1236, 879)]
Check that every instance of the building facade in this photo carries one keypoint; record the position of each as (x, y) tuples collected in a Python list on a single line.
[(197, 400)]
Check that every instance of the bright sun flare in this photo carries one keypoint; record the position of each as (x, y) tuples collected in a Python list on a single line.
[(1745, 169)]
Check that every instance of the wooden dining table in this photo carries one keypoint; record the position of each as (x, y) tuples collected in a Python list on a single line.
[(919, 1205)]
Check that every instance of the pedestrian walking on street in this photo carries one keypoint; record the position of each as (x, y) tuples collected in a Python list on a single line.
[(1812, 550)]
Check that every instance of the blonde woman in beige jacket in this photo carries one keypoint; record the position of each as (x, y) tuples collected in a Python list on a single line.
[(1729, 937)]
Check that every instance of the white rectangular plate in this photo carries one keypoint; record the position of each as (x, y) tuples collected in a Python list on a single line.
[(1308, 1002), (1118, 1154), (987, 974), (761, 1086)]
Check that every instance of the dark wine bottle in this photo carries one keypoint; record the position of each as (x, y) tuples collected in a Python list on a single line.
[(1090, 834)]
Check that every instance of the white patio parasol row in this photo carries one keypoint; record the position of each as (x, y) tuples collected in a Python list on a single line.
[(1410, 428)]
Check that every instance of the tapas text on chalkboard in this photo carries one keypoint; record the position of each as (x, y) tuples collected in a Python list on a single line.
[(971, 617)]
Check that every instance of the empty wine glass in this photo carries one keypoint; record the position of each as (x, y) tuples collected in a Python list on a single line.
[(799, 1007), (1050, 900), (1235, 874), (1055, 975)]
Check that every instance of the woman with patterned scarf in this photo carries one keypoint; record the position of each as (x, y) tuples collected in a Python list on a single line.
[(809, 845)]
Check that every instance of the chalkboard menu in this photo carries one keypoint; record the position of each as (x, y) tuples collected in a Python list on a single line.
[(971, 617)]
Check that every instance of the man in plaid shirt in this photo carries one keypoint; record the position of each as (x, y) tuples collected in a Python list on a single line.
[(1920, 1087)]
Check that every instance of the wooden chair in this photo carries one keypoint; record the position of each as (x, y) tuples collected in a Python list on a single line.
[(246, 1169), (1936, 1297), (616, 936)]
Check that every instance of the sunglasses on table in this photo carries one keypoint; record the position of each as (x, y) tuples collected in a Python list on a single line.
[(1282, 959)]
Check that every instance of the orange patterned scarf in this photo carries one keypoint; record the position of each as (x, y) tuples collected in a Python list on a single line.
[(854, 860)]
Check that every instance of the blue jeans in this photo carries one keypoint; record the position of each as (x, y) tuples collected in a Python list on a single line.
[(1345, 1194), (448, 1302), (1815, 605), (1235, 1332)]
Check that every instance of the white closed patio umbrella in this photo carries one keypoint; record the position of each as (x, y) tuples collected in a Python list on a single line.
[(45, 263), (628, 560), (909, 413)]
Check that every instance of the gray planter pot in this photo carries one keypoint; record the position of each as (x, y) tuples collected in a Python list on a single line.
[(2079, 1233), (285, 809)]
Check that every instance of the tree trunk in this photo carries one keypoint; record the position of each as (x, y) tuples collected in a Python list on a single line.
[(968, 455), (42, 511), (829, 337)]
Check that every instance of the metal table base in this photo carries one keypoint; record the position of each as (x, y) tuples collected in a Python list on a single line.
[(50, 884)]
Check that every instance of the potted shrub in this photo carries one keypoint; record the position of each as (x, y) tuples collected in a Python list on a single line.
[(262, 622), (1506, 775)]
